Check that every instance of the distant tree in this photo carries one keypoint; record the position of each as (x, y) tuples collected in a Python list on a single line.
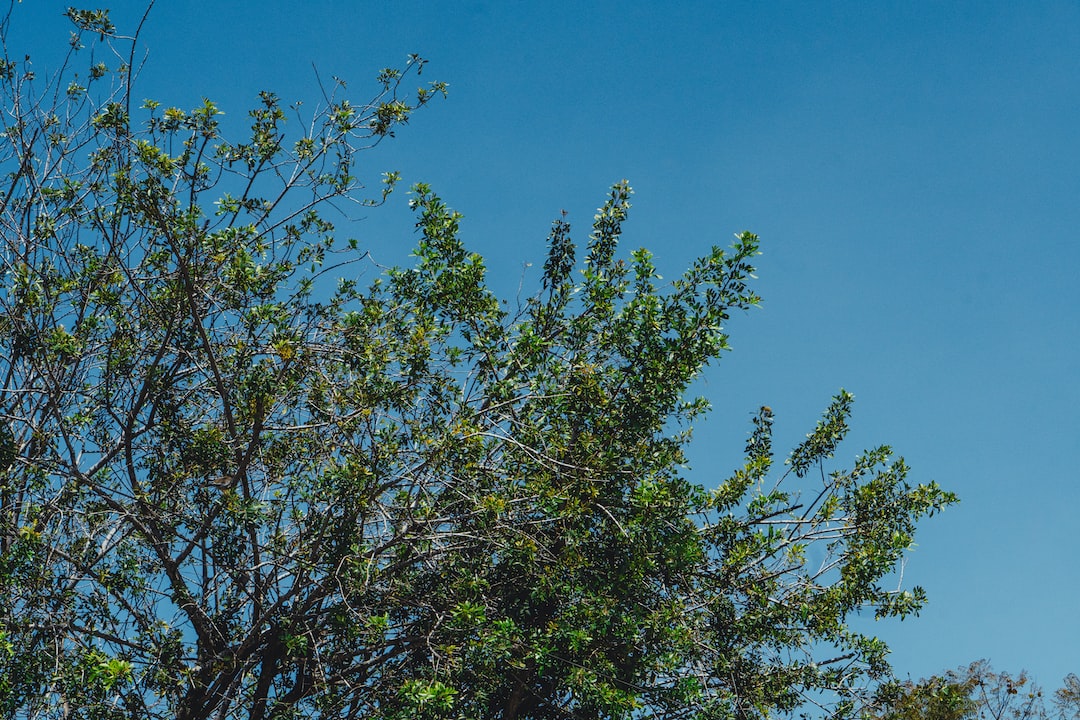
[(944, 697), (1067, 698), (977, 692), (239, 480)]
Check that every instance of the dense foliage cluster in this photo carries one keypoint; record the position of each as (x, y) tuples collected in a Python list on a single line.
[(233, 485)]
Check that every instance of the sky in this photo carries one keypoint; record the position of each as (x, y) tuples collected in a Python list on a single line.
[(913, 170)]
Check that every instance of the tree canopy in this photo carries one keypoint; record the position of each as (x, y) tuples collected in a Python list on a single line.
[(978, 692), (245, 472)]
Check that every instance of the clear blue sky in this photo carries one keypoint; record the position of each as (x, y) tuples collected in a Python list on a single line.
[(913, 169)]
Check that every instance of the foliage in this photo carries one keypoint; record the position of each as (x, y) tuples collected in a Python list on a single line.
[(977, 691), (232, 486)]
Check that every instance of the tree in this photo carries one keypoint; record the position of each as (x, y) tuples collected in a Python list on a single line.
[(977, 692), (241, 480)]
